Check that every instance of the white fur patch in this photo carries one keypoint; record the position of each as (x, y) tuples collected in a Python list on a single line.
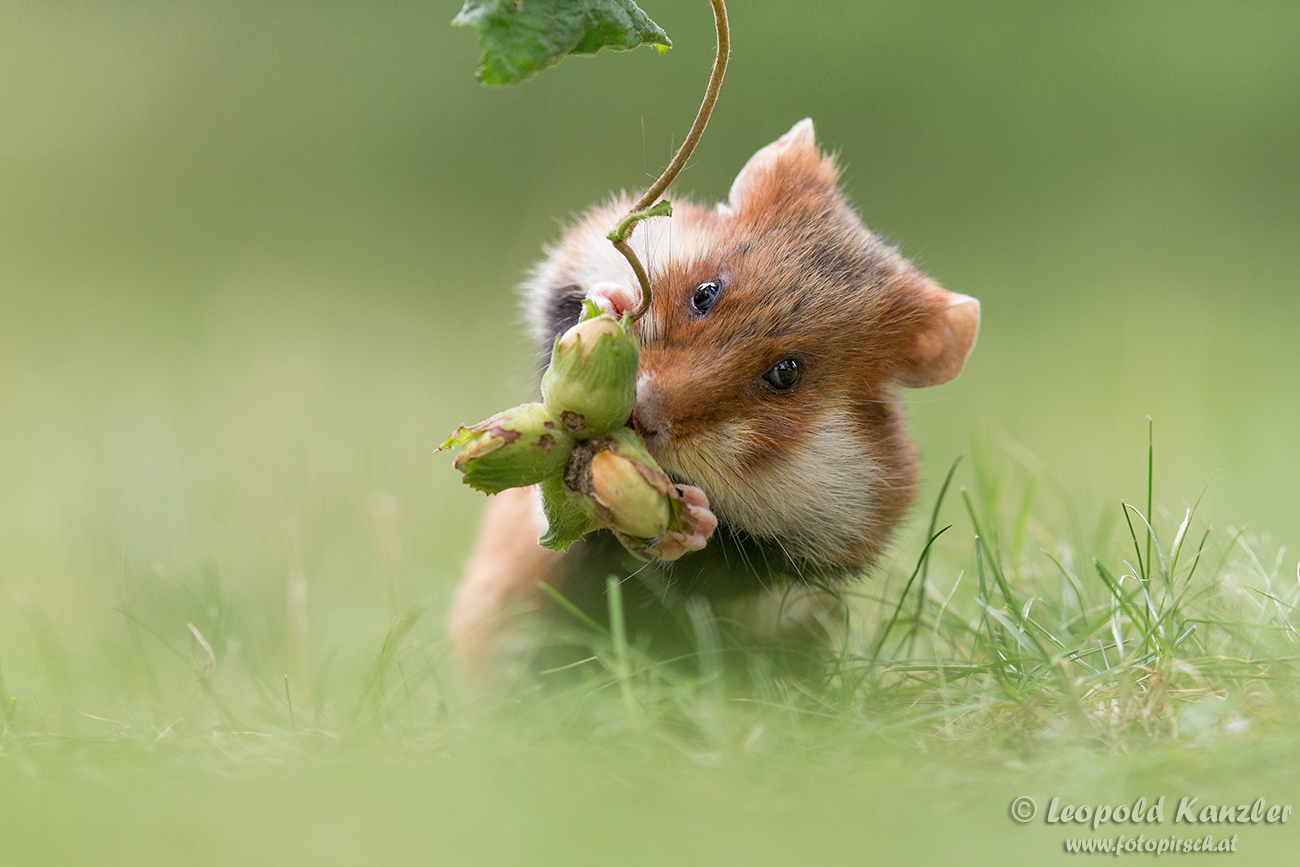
[(815, 501)]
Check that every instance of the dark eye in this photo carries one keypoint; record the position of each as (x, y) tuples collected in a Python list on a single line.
[(784, 374), (704, 297)]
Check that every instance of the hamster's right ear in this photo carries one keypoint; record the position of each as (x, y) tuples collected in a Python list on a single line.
[(938, 350)]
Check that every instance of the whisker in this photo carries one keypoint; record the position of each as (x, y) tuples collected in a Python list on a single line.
[(797, 570)]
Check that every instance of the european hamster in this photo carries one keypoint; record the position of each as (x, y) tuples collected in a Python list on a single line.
[(772, 356)]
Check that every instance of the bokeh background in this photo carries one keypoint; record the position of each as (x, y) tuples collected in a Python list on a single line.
[(257, 260)]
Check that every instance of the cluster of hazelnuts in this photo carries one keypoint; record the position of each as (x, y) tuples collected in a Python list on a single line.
[(593, 471)]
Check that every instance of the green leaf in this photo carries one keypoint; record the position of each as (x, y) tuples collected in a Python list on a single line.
[(520, 38)]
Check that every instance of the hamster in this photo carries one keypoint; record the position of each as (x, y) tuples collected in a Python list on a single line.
[(780, 334)]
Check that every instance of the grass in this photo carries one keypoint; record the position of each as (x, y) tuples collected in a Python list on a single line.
[(1131, 635), (1002, 634), (1018, 647)]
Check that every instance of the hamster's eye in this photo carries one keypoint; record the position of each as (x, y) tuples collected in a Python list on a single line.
[(704, 297), (784, 374)]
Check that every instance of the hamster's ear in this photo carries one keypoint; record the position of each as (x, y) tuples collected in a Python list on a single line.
[(939, 348), (791, 164)]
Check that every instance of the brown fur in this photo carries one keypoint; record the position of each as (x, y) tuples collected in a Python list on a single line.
[(825, 469)]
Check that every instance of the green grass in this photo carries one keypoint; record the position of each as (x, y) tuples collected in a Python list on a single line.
[(1012, 626), (1009, 648)]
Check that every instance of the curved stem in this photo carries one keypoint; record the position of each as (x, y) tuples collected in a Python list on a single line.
[(641, 276), (701, 118), (620, 232), (642, 208)]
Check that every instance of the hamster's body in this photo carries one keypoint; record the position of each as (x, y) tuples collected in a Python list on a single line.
[(780, 333)]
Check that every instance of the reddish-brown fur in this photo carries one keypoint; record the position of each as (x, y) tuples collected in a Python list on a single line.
[(825, 468)]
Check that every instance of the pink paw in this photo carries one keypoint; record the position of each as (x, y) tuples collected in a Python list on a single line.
[(699, 521), (614, 298)]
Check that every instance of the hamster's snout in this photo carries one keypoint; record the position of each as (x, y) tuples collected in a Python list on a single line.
[(649, 416)]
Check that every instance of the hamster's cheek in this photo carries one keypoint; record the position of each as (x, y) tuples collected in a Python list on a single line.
[(812, 493), (708, 458)]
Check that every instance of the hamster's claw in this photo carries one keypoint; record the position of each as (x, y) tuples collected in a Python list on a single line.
[(699, 523)]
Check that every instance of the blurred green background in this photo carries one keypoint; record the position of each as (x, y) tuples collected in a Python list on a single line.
[(257, 260)]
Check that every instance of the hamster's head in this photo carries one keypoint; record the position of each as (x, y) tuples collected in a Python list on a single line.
[(779, 335)]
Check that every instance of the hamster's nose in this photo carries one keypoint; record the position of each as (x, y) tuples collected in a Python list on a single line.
[(614, 298), (649, 416)]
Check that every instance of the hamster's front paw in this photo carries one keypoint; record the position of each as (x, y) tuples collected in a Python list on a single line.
[(614, 298), (699, 521)]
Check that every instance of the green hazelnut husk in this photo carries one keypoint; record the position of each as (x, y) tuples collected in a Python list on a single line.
[(568, 516), (515, 448), (625, 487), (590, 385)]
